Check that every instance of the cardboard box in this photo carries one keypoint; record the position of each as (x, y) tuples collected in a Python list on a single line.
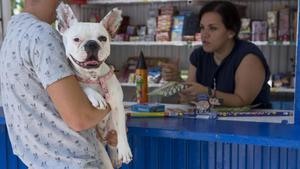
[(148, 107)]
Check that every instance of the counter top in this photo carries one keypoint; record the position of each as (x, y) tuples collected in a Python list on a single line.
[(266, 134)]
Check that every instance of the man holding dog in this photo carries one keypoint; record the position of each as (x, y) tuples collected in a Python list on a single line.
[(49, 118)]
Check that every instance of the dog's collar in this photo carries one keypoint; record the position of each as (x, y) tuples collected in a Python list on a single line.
[(101, 81)]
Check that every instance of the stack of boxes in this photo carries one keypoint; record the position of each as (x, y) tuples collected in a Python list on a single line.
[(164, 23), (278, 27)]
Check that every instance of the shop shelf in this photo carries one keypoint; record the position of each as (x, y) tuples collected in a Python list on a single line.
[(194, 43), (130, 1), (133, 85), (273, 89), (191, 2), (155, 43), (282, 90)]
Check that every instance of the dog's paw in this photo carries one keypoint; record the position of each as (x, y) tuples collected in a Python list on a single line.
[(95, 98), (124, 152), (113, 155)]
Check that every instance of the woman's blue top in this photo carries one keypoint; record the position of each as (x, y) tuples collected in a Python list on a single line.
[(224, 74)]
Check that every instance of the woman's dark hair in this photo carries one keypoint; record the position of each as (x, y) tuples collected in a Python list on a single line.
[(228, 11)]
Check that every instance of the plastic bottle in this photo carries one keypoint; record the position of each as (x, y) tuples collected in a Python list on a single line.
[(141, 75)]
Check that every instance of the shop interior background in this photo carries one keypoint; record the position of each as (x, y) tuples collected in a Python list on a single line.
[(141, 32)]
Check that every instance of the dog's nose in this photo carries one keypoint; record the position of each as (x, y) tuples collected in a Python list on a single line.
[(91, 45)]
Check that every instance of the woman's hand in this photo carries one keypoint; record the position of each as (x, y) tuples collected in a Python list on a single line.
[(190, 93), (170, 71)]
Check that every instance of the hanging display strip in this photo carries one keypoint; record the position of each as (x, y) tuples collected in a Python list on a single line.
[(78, 2), (130, 1)]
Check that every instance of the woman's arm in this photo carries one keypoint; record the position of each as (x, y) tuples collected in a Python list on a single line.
[(191, 73), (73, 105), (249, 79)]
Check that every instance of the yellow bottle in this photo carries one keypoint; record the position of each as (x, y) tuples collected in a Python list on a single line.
[(141, 76)]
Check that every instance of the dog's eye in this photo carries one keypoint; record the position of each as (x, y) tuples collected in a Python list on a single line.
[(102, 38), (76, 39)]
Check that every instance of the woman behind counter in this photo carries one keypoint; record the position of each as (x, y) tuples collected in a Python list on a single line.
[(235, 70)]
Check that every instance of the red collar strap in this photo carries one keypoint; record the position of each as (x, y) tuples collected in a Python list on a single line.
[(101, 81)]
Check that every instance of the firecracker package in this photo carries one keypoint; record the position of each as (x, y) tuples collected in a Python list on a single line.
[(272, 20), (178, 22), (188, 38), (162, 36), (284, 25), (167, 10), (176, 35), (141, 30), (177, 28), (245, 32), (164, 23), (135, 38), (259, 31), (150, 37), (151, 26), (131, 30)]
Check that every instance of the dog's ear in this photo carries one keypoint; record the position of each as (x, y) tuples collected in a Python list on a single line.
[(65, 17), (112, 21)]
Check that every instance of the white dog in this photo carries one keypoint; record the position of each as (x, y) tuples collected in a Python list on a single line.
[(87, 47)]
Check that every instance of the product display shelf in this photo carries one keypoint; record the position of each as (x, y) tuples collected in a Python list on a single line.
[(273, 89), (193, 43), (282, 90), (154, 85), (191, 2), (155, 43), (173, 143), (131, 1)]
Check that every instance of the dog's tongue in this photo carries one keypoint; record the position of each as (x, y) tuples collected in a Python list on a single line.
[(91, 62)]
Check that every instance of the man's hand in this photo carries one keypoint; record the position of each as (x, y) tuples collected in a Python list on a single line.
[(73, 105), (112, 138)]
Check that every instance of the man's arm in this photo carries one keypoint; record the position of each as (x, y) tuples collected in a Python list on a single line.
[(73, 105)]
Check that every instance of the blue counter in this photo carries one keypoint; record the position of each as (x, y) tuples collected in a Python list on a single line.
[(264, 134), (171, 143), (7, 159)]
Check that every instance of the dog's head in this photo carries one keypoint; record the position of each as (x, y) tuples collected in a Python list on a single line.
[(87, 44)]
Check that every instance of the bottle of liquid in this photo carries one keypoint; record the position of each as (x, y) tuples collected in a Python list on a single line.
[(141, 75)]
